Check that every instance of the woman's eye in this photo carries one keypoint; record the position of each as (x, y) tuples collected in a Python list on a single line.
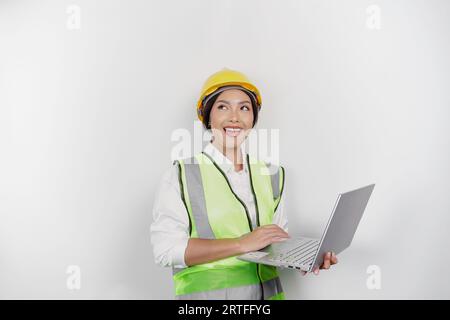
[(221, 106), (245, 108)]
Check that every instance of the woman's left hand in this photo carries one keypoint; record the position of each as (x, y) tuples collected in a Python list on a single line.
[(328, 260)]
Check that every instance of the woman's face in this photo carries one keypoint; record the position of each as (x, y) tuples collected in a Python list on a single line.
[(231, 118)]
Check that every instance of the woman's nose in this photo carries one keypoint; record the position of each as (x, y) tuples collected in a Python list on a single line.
[(234, 114)]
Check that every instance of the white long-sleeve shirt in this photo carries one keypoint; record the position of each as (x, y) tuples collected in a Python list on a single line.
[(170, 227)]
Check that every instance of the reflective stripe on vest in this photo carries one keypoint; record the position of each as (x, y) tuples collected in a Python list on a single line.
[(272, 289), (203, 186)]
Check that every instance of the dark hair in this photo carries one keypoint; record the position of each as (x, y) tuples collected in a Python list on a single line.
[(208, 106)]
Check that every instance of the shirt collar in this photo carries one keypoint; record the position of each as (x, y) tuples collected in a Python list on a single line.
[(223, 162)]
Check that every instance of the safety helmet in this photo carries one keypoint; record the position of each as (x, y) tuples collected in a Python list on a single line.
[(223, 80)]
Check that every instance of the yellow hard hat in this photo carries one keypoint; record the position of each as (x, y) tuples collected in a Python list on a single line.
[(225, 77)]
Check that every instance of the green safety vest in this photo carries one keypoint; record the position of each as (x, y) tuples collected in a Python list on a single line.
[(216, 212)]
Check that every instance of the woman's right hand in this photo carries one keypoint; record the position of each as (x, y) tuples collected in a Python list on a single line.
[(262, 237)]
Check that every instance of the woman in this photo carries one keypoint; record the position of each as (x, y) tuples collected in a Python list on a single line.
[(222, 203)]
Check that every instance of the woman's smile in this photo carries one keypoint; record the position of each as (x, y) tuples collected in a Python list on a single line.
[(232, 131)]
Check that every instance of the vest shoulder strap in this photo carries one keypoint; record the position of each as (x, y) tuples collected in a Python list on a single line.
[(191, 183)]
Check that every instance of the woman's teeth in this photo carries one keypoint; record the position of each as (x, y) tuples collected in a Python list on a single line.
[(232, 132)]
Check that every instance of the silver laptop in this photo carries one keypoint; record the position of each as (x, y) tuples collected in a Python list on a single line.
[(306, 253)]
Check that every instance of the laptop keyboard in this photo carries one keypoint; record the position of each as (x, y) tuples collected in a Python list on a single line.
[(303, 254)]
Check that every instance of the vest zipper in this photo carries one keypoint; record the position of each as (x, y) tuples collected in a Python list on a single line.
[(257, 221), (246, 210), (229, 185)]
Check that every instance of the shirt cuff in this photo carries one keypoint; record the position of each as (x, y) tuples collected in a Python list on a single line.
[(178, 251)]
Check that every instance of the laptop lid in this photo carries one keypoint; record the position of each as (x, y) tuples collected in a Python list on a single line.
[(343, 222)]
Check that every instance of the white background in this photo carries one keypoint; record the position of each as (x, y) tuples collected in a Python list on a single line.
[(86, 117)]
